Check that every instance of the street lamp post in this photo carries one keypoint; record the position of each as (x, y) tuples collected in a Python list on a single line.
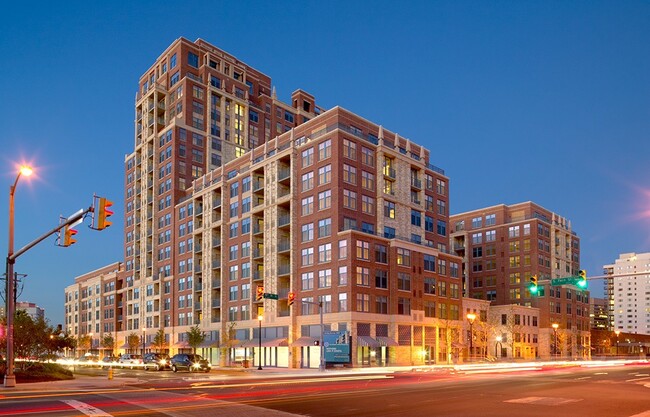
[(10, 378), (555, 326), (618, 332), (496, 345), (470, 318), (259, 353)]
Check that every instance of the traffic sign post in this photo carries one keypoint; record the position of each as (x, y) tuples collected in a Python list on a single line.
[(270, 296)]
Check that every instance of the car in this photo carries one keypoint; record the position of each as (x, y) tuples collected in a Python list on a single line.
[(88, 360), (109, 360), (130, 360), (157, 361), (189, 362)]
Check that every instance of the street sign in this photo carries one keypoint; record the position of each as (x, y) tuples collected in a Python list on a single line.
[(270, 296), (565, 281)]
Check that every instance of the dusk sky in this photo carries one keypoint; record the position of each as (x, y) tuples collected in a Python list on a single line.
[(519, 100)]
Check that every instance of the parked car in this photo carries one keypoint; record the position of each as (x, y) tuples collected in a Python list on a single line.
[(157, 361), (109, 360), (189, 362), (130, 360), (88, 360)]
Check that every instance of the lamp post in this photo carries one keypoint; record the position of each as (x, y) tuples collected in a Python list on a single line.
[(143, 335), (555, 326), (259, 354), (470, 318), (618, 332), (10, 378), (497, 345)]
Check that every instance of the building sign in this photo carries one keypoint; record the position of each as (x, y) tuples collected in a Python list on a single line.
[(337, 347)]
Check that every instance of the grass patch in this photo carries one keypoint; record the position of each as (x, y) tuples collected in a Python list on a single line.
[(39, 372)]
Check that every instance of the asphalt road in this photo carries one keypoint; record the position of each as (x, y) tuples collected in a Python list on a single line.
[(604, 391)]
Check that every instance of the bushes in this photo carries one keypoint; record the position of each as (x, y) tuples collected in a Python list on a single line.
[(39, 372)]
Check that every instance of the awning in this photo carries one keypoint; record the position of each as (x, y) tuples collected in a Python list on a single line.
[(304, 341), (181, 344), (367, 341), (386, 341), (209, 344), (252, 343)]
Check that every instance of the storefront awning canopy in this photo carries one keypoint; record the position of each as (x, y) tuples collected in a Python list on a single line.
[(367, 341), (209, 344), (386, 341), (304, 341), (265, 343)]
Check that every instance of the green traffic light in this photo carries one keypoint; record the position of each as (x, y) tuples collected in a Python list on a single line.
[(533, 289)]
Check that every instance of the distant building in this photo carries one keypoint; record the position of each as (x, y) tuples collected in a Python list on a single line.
[(598, 313), (503, 246), (32, 310), (627, 290)]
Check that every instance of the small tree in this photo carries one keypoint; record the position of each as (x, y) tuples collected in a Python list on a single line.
[(108, 342), (228, 339), (83, 342), (195, 337), (159, 341), (133, 341)]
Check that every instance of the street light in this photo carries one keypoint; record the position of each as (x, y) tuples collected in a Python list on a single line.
[(617, 333), (10, 378), (496, 345), (470, 318), (259, 353), (555, 326)]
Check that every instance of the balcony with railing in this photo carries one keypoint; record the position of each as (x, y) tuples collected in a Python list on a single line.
[(284, 269)]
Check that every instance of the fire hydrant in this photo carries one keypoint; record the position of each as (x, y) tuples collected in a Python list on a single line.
[(110, 373)]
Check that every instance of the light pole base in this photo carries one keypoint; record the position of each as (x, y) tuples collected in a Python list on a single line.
[(10, 381), (259, 368)]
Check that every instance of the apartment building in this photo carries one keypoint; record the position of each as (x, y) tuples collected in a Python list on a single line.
[(503, 246), (628, 293), (32, 310), (91, 307), (228, 189)]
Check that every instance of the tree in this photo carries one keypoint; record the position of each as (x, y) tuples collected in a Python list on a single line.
[(133, 341), (195, 337), (84, 341), (108, 342), (228, 340), (159, 341)]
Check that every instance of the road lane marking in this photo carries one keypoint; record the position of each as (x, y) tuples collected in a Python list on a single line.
[(543, 400), (87, 409), (643, 414), (637, 379)]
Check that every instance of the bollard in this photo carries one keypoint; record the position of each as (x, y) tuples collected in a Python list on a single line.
[(110, 373)]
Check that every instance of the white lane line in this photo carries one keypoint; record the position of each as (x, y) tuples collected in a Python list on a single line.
[(637, 379), (87, 409), (643, 414)]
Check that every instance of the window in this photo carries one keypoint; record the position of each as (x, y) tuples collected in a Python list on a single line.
[(307, 206), (416, 218), (491, 236), (325, 200), (389, 209), (490, 219), (325, 149), (363, 276), (363, 303), (442, 228), (349, 174), (381, 304), (349, 149), (307, 157), (363, 250), (430, 286), (404, 306), (307, 181), (367, 156), (429, 263), (172, 61), (367, 204), (381, 254), (325, 252), (403, 281), (307, 280), (403, 257), (381, 279), (367, 180), (343, 249), (325, 174), (325, 278), (477, 222), (307, 232), (324, 227), (307, 256), (349, 199), (343, 302), (343, 275)]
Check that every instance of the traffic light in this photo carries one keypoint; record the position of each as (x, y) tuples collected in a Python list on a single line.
[(260, 293), (68, 234), (291, 299), (103, 213), (533, 285), (583, 278)]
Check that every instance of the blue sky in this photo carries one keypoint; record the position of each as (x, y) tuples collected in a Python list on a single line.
[(543, 101)]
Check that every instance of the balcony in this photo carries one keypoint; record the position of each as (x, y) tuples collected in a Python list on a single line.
[(197, 305), (258, 275), (284, 269), (284, 246), (216, 303), (258, 185), (390, 172), (198, 285), (258, 228), (216, 242), (284, 220), (284, 173), (416, 183), (258, 253), (216, 264), (216, 283)]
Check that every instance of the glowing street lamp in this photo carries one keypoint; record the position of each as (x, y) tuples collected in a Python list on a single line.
[(10, 378), (470, 318)]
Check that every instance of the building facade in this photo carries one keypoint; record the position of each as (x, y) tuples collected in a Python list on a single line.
[(32, 310), (628, 292), (504, 246), (229, 189)]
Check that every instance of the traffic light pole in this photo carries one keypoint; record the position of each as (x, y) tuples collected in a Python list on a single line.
[(10, 378)]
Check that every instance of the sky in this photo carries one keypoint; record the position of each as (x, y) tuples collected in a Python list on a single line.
[(518, 101)]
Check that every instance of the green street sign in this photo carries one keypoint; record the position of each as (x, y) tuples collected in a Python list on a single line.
[(270, 296), (573, 280)]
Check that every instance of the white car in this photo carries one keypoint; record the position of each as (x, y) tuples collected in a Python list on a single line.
[(130, 360)]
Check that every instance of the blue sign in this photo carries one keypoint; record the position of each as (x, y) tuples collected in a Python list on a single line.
[(337, 347)]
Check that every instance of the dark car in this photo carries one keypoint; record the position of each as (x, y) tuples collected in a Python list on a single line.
[(157, 361), (108, 361), (189, 362)]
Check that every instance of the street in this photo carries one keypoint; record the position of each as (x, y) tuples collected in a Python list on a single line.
[(562, 391)]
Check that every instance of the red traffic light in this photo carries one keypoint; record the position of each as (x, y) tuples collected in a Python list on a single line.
[(292, 298), (260, 293)]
